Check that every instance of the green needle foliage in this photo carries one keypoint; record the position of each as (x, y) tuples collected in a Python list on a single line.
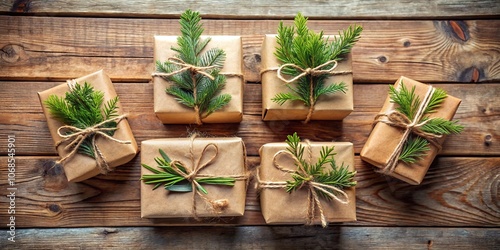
[(303, 47), (191, 88), (408, 104), (82, 108), (175, 182), (339, 176)]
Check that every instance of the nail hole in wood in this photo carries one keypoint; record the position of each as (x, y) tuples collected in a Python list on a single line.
[(488, 140), (382, 59)]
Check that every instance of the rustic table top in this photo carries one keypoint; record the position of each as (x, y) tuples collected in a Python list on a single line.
[(452, 44)]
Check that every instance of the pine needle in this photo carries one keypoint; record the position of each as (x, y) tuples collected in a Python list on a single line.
[(82, 108)]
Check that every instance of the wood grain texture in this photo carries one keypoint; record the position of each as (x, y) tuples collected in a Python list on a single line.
[(457, 191), (368, 9), (41, 48), (284, 237), (479, 113)]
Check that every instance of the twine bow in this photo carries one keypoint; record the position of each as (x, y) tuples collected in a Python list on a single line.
[(311, 185), (192, 175), (79, 135), (398, 119), (186, 67), (317, 71)]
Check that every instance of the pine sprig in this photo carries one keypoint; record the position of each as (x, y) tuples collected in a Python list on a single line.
[(82, 108), (175, 182), (303, 47), (190, 88), (413, 149), (408, 104), (339, 176)]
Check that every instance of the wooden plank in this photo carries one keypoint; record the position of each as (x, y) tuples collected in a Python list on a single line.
[(284, 237), (41, 48), (22, 115), (368, 9), (457, 191)]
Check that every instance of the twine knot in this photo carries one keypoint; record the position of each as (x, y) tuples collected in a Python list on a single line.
[(191, 174), (186, 67), (398, 119), (77, 136), (316, 71), (309, 183)]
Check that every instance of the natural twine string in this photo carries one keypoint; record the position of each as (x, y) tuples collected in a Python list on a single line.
[(316, 71), (192, 175), (313, 200), (192, 68), (398, 119), (79, 135)]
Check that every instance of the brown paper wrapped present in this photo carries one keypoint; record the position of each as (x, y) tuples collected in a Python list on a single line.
[(328, 107), (81, 167), (170, 111), (228, 160), (385, 138), (280, 207)]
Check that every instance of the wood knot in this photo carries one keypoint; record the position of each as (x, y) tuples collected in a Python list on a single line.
[(458, 29), (11, 53), (471, 74), (21, 6), (252, 61), (382, 59), (54, 208)]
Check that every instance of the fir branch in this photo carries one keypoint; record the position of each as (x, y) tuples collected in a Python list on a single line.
[(407, 101), (408, 104), (414, 148), (440, 126), (191, 88), (175, 182), (339, 176), (82, 108), (302, 47)]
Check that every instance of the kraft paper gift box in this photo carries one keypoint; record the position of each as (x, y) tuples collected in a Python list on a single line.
[(229, 161), (169, 111), (81, 167), (328, 107), (280, 207), (384, 138)]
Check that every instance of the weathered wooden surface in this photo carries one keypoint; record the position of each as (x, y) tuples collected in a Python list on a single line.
[(457, 191), (43, 43), (41, 48), (368, 9), (22, 115), (258, 238)]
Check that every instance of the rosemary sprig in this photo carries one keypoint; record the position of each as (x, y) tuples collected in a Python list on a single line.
[(175, 182), (82, 108), (303, 47), (408, 104), (191, 88), (339, 176)]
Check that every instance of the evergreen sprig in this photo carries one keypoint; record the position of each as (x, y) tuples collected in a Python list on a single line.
[(303, 47), (84, 107), (191, 88), (339, 176), (408, 104), (175, 182)]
